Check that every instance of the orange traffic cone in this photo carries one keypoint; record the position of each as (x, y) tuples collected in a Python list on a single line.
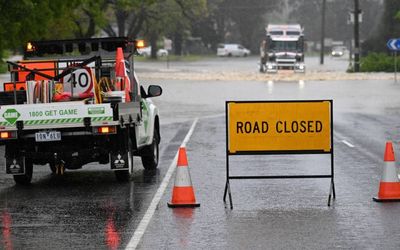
[(183, 193), (389, 186)]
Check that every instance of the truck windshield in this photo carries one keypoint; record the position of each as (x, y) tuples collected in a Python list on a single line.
[(283, 46)]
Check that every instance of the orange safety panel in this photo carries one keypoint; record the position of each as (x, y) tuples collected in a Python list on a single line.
[(9, 86), (50, 66)]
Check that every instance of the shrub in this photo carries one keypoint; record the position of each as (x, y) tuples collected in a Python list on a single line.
[(3, 67), (378, 62)]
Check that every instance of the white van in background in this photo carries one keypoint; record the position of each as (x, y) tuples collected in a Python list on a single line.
[(232, 50)]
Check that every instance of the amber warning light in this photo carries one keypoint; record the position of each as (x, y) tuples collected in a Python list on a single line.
[(140, 44), (106, 130), (30, 47), (7, 135)]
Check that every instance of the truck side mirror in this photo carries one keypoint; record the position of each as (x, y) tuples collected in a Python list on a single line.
[(154, 90)]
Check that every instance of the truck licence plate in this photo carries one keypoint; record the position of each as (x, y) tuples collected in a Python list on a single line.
[(48, 136)]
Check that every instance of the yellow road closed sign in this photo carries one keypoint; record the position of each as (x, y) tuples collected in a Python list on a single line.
[(279, 126)]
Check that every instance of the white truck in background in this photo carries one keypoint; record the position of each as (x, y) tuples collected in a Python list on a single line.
[(282, 48), (73, 102)]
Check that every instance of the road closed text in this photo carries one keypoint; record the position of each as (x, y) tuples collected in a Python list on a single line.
[(298, 126), (262, 127), (279, 126)]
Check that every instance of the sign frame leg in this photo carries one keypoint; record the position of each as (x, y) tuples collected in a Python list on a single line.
[(332, 193), (228, 191)]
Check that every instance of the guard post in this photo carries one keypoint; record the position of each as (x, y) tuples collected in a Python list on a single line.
[(262, 128)]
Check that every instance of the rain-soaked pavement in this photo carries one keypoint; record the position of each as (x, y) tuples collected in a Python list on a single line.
[(88, 209), (289, 214)]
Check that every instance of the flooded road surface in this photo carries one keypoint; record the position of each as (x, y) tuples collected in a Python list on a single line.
[(281, 214), (88, 209)]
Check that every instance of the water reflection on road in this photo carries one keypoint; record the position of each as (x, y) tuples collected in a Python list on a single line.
[(85, 209)]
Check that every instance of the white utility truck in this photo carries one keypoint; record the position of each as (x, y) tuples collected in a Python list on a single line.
[(73, 102), (282, 48)]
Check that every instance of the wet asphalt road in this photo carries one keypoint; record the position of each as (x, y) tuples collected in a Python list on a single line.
[(88, 209), (289, 214)]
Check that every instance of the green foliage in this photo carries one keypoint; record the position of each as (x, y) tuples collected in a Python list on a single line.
[(88, 17), (26, 20), (378, 62), (3, 67), (238, 11)]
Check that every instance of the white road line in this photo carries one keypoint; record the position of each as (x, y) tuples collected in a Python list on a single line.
[(141, 229), (348, 143)]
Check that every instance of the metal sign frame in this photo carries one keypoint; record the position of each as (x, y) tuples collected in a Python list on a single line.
[(332, 192)]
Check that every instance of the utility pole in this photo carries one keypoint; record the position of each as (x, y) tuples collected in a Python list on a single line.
[(322, 32), (356, 36)]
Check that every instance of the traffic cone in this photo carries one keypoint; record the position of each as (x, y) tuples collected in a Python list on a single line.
[(183, 193), (389, 186), (122, 79)]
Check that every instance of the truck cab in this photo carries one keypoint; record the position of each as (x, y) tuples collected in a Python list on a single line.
[(282, 48)]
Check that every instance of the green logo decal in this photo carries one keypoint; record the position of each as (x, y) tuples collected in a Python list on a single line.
[(145, 114), (96, 111), (11, 115)]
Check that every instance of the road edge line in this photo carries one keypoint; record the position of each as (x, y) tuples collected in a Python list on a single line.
[(141, 229), (348, 144)]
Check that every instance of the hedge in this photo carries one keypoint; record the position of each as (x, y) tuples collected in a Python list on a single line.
[(378, 62)]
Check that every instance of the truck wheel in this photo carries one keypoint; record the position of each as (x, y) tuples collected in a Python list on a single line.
[(25, 179), (151, 153)]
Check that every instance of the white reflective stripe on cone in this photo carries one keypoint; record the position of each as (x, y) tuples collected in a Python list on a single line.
[(183, 177), (389, 172)]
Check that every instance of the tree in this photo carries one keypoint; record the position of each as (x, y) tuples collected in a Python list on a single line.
[(150, 18), (188, 13), (26, 20), (235, 21), (248, 18), (211, 27), (389, 27), (88, 17), (129, 17)]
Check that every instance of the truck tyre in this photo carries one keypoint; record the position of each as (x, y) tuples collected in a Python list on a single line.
[(25, 179), (151, 153)]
